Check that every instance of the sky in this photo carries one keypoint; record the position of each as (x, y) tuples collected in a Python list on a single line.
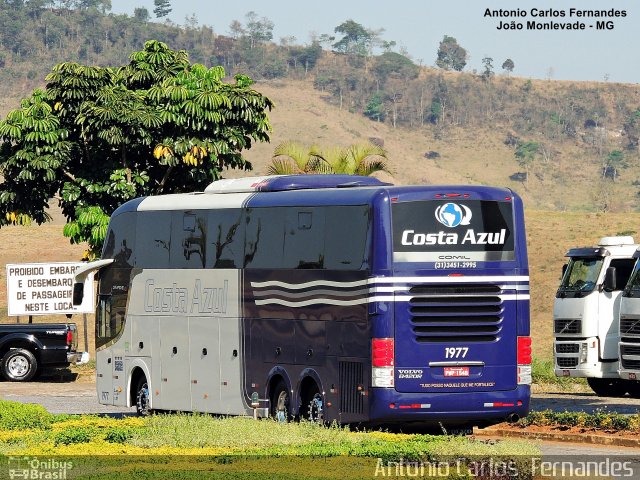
[(419, 25)]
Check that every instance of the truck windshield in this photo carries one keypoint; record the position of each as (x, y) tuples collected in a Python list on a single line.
[(633, 286), (581, 276)]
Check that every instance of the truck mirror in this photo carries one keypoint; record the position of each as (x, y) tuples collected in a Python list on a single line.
[(564, 269), (78, 293), (610, 279)]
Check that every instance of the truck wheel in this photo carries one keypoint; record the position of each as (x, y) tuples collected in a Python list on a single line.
[(279, 403), (142, 397), (19, 365), (633, 387), (607, 387)]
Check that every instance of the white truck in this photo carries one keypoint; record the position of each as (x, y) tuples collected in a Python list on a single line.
[(586, 315), (629, 369)]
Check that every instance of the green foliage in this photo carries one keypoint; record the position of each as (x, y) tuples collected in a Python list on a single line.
[(508, 65), (73, 435), (487, 63), (118, 434), (600, 419), (22, 416), (162, 8), (451, 56), (375, 108), (356, 39), (99, 136), (293, 158), (392, 63)]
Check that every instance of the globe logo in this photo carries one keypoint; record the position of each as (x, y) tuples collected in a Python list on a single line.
[(452, 214)]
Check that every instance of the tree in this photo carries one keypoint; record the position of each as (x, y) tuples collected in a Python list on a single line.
[(141, 14), (163, 8), (97, 137), (451, 56), (508, 66), (356, 40), (260, 30), (526, 154), (613, 163), (487, 63), (294, 158)]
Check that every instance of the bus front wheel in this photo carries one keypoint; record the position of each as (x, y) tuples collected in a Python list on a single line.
[(142, 397)]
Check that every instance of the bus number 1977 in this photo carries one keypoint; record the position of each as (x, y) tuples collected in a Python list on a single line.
[(455, 352)]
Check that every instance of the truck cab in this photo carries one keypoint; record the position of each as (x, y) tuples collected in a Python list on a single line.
[(586, 312), (629, 370)]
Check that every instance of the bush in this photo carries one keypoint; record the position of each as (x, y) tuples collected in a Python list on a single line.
[(21, 416), (73, 435)]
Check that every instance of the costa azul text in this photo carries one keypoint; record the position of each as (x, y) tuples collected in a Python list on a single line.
[(198, 298), (410, 237)]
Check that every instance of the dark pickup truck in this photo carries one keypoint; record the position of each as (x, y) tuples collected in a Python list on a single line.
[(25, 349)]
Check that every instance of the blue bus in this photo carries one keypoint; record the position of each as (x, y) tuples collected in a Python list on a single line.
[(325, 297)]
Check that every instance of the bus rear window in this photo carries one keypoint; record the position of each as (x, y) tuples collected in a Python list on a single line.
[(461, 230)]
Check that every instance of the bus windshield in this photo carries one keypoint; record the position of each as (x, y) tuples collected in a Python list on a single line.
[(453, 232), (581, 276)]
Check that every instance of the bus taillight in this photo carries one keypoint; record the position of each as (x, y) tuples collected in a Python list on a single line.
[(524, 360), (382, 362)]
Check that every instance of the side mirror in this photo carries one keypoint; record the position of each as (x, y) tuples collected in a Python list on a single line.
[(610, 283), (78, 293), (564, 269)]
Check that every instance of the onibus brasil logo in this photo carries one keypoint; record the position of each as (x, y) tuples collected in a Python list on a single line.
[(452, 214)]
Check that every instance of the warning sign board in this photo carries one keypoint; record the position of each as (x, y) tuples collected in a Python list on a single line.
[(46, 289)]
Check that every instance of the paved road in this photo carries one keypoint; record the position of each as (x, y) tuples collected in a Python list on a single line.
[(80, 397)]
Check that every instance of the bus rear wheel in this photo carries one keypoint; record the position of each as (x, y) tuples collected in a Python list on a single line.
[(142, 398), (607, 387), (313, 406), (280, 403)]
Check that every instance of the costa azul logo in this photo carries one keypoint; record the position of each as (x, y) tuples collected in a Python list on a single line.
[(453, 214)]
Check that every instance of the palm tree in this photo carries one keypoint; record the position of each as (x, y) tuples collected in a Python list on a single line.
[(359, 159)]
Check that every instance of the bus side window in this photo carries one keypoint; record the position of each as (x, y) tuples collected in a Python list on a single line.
[(264, 237), (304, 238), (121, 239), (347, 231), (103, 320), (188, 239), (153, 239), (226, 239)]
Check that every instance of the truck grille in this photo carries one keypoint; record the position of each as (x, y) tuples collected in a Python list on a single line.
[(627, 351), (567, 362), (567, 348), (568, 325), (459, 313), (350, 380), (630, 326)]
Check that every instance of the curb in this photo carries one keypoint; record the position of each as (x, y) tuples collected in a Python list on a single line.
[(589, 438)]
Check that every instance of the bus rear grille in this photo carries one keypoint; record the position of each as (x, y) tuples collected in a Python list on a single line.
[(567, 362), (567, 348), (568, 325), (456, 313), (351, 377), (630, 326)]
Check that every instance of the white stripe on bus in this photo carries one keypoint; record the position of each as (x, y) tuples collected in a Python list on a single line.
[(361, 301)]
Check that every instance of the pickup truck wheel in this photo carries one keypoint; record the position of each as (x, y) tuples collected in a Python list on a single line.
[(19, 365)]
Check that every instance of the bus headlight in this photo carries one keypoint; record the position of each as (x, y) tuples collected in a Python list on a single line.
[(584, 352)]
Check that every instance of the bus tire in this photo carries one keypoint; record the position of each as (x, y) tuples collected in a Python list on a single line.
[(607, 387), (19, 365), (142, 397), (314, 406), (280, 403)]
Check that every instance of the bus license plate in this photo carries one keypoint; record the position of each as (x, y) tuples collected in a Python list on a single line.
[(456, 371), (566, 373)]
